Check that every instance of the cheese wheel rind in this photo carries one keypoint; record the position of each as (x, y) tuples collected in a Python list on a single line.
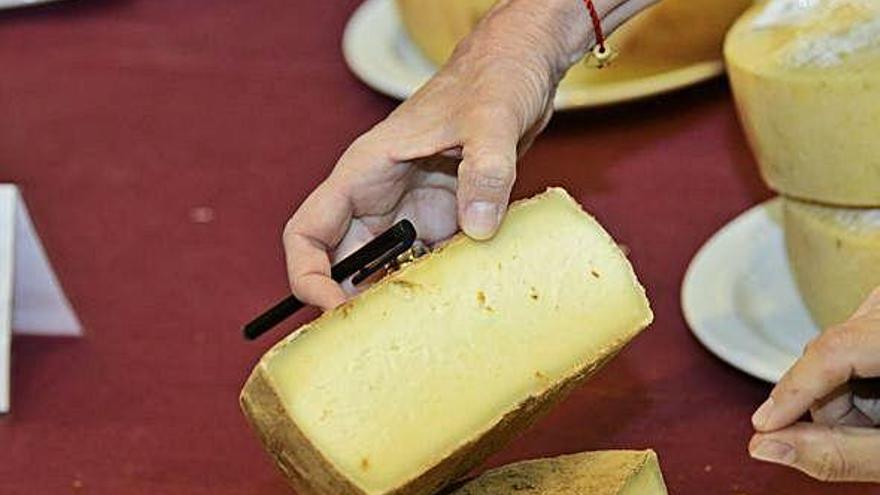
[(808, 96), (609, 472), (834, 255)]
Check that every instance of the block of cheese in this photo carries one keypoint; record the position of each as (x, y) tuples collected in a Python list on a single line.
[(611, 472), (671, 35), (418, 379), (835, 257), (806, 76)]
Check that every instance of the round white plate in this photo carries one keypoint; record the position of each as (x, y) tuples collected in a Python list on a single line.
[(740, 299), (378, 50), (11, 4)]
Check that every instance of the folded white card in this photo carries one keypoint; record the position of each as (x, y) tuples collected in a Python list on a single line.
[(31, 299)]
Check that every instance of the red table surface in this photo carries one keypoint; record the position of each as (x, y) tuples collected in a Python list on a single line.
[(119, 118)]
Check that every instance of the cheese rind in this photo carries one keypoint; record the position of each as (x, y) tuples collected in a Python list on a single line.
[(806, 87), (835, 257), (611, 472), (415, 381)]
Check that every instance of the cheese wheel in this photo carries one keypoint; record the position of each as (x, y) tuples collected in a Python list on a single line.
[(835, 257), (610, 472), (414, 382), (806, 77), (668, 36)]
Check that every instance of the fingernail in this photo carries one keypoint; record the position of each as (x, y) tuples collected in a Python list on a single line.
[(481, 218), (774, 451), (762, 415)]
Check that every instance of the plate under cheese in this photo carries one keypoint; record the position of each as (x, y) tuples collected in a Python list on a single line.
[(835, 257), (806, 77), (609, 472), (417, 380)]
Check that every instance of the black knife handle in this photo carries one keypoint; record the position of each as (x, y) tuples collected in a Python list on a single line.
[(388, 244)]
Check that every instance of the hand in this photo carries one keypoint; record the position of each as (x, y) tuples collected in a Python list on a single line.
[(842, 443), (446, 158)]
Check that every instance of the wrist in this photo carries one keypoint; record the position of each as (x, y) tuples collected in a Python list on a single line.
[(550, 35)]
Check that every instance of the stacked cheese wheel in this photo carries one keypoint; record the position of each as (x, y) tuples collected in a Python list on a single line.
[(653, 43), (806, 77)]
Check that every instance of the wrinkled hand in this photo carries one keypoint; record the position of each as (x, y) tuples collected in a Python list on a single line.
[(446, 158), (842, 443)]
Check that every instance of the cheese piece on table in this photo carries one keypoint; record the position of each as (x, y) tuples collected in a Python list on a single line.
[(806, 76), (611, 472), (418, 379), (835, 256)]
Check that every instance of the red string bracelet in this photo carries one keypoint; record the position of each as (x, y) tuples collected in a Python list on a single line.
[(600, 52)]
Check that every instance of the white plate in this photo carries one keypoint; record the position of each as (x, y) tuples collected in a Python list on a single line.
[(378, 50), (740, 299), (11, 4)]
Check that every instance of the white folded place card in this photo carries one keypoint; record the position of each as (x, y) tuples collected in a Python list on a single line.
[(31, 299)]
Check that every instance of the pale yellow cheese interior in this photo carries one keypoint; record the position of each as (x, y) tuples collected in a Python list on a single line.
[(807, 85), (835, 257), (410, 371), (612, 472)]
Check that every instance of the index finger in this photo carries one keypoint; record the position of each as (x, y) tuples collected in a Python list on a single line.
[(311, 234), (838, 355)]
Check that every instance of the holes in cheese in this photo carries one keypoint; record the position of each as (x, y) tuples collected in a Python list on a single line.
[(610, 472), (835, 257), (418, 379), (806, 76)]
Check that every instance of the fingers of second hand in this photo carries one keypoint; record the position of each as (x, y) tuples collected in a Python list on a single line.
[(870, 306), (831, 360), (826, 453)]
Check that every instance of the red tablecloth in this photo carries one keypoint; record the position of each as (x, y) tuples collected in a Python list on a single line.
[(127, 122)]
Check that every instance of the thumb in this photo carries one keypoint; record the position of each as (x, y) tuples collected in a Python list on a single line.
[(838, 453), (485, 178)]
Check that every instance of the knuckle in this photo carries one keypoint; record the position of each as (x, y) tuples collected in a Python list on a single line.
[(832, 463), (288, 231), (491, 175), (361, 145), (827, 355), (831, 343)]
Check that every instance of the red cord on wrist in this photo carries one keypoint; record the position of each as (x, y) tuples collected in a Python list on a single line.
[(597, 25)]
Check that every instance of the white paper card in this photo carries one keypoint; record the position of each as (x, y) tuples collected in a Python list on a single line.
[(31, 299)]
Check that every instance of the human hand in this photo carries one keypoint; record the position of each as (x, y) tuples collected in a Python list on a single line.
[(446, 158), (842, 443)]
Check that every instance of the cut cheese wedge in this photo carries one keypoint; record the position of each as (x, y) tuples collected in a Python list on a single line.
[(414, 382), (806, 76), (611, 472), (835, 257)]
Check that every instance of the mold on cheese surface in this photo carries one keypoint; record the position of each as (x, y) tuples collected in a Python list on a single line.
[(806, 77), (611, 472), (415, 381), (835, 257)]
